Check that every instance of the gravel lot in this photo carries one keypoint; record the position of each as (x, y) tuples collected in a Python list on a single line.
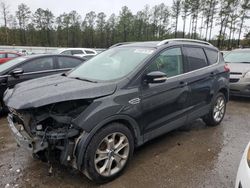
[(200, 157)]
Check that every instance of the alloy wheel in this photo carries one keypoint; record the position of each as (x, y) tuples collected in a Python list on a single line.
[(219, 109), (111, 154)]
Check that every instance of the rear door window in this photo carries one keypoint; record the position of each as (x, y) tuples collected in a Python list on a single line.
[(212, 56), (39, 64), (67, 62), (196, 58)]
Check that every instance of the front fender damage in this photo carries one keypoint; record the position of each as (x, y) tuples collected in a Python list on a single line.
[(48, 131)]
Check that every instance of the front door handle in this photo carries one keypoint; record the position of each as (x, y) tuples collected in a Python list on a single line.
[(3, 83)]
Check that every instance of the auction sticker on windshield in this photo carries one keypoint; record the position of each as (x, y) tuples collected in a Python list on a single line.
[(144, 51)]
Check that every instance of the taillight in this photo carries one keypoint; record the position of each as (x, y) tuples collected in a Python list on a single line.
[(226, 68)]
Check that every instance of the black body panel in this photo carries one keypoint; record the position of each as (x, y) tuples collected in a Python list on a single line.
[(53, 89), (148, 109)]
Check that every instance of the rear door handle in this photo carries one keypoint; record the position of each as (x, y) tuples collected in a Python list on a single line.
[(212, 74), (183, 84)]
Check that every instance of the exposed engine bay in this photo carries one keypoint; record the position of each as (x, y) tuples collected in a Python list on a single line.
[(48, 132)]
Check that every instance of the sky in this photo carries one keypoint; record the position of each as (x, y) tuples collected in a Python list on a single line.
[(85, 6)]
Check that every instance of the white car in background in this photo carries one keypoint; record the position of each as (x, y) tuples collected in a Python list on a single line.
[(243, 175), (80, 52)]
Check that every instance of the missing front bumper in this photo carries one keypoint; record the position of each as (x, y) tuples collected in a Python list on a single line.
[(53, 144), (22, 138)]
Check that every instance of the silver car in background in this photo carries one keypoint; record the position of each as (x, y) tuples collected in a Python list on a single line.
[(85, 53), (239, 64)]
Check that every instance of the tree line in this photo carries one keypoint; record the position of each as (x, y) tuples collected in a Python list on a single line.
[(198, 19)]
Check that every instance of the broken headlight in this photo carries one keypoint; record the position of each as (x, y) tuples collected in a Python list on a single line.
[(58, 115), (69, 108)]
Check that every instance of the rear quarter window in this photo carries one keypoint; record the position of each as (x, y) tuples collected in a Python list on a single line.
[(212, 56), (196, 58)]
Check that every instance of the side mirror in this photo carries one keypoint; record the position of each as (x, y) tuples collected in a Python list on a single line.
[(156, 77), (16, 72)]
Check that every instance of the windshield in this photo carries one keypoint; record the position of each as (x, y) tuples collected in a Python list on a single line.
[(112, 64), (238, 57), (11, 63)]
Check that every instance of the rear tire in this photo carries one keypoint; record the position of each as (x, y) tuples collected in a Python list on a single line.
[(108, 153), (217, 111)]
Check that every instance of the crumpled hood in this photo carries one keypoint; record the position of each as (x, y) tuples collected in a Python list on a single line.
[(53, 89)]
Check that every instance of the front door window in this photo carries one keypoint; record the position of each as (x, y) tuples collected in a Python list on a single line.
[(169, 62)]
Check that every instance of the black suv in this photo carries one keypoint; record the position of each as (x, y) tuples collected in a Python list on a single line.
[(94, 116)]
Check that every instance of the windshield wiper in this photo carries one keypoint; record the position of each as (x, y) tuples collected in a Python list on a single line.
[(84, 79)]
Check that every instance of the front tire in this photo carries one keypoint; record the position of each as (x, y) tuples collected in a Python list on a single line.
[(108, 153), (217, 111), (2, 108), (41, 155)]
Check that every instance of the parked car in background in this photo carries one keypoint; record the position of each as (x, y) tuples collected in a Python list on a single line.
[(29, 67), (243, 175), (80, 52), (100, 50), (23, 51), (94, 116), (6, 56), (239, 64), (224, 52)]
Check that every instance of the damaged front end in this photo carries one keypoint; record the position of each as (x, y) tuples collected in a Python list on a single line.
[(48, 131)]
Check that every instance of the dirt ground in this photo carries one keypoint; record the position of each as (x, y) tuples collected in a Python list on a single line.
[(200, 157)]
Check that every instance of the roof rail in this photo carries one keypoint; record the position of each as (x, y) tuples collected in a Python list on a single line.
[(120, 44), (183, 40)]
